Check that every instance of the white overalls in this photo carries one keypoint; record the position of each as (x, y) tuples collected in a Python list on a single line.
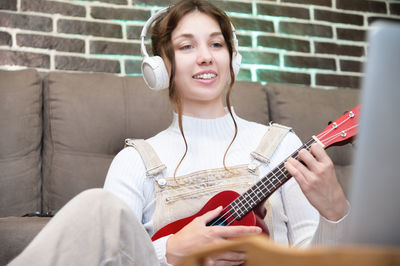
[(185, 195)]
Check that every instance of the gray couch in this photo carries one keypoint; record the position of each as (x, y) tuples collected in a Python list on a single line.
[(59, 132)]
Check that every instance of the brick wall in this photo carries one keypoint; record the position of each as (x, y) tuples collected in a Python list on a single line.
[(312, 42)]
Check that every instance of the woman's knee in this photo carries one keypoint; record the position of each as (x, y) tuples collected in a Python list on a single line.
[(93, 201), (98, 197), (92, 195)]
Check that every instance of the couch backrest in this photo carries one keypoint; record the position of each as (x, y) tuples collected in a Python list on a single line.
[(86, 118), (20, 142)]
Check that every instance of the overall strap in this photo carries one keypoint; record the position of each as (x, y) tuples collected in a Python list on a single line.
[(269, 142), (152, 162)]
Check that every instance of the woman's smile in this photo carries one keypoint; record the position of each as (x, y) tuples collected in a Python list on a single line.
[(205, 77)]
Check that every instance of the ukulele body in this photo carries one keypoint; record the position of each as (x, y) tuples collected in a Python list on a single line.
[(223, 199)]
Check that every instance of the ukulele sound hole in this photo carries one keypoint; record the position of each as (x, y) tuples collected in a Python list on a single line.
[(218, 221)]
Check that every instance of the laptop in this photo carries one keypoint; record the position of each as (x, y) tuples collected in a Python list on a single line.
[(375, 192)]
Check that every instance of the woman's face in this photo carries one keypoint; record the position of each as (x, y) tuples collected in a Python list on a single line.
[(202, 61)]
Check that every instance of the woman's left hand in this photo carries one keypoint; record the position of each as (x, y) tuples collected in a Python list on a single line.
[(317, 180)]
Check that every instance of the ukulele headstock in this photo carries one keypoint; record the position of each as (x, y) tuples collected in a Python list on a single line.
[(342, 130)]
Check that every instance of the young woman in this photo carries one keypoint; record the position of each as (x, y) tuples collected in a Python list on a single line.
[(207, 149)]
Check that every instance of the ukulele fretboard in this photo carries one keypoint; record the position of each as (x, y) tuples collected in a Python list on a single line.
[(260, 191)]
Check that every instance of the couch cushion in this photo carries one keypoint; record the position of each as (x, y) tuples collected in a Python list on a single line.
[(20, 141), (16, 233), (250, 101), (308, 111), (87, 118)]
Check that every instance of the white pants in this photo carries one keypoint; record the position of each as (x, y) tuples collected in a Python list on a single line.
[(94, 228)]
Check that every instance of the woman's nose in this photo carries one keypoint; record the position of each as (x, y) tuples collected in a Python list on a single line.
[(204, 56)]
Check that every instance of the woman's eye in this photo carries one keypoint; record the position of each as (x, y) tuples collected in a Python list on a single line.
[(185, 47), (216, 45)]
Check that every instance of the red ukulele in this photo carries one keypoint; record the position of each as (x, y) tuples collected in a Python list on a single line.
[(238, 209)]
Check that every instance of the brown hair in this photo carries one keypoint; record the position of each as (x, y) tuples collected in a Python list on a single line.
[(162, 46)]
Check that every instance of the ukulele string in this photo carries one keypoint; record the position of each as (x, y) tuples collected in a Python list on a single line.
[(323, 134), (271, 185), (221, 218), (327, 140), (252, 193)]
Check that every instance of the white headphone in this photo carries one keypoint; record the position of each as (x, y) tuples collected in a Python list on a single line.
[(155, 73)]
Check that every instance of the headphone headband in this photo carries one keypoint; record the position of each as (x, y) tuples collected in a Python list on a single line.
[(147, 26), (155, 73)]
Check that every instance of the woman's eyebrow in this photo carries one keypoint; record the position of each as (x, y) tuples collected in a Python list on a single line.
[(217, 33), (191, 36), (184, 36)]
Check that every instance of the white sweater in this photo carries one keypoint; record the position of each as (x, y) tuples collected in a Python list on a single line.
[(295, 221)]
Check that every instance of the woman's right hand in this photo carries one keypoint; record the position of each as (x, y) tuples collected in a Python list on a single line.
[(196, 234)]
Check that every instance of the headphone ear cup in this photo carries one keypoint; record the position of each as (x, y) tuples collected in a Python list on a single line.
[(155, 73), (236, 61)]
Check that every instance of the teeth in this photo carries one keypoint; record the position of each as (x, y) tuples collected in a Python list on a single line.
[(205, 76)]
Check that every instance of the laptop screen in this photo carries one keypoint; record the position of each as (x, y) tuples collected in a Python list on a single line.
[(375, 191)]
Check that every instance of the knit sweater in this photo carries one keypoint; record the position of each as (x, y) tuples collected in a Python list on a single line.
[(295, 221)]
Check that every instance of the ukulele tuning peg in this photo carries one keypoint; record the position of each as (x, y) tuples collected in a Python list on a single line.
[(330, 122), (345, 112)]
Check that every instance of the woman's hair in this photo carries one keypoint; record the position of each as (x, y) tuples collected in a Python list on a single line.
[(162, 46)]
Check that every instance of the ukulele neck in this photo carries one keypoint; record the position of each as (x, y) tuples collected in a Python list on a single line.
[(264, 187)]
